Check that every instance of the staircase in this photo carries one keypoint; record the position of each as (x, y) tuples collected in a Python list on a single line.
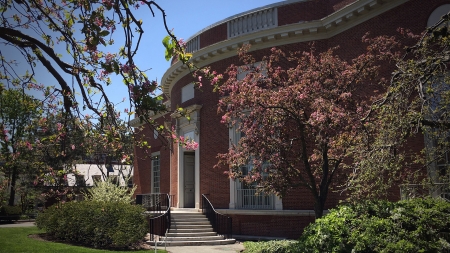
[(189, 227)]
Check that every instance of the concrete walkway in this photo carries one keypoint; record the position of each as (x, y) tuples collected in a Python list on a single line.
[(18, 224), (237, 247)]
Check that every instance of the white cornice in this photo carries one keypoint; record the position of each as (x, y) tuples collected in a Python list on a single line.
[(282, 3), (339, 21)]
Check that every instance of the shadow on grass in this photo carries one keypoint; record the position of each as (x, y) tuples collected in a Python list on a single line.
[(14, 240)]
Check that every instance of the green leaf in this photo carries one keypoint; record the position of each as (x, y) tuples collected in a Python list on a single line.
[(166, 41), (116, 67), (103, 33)]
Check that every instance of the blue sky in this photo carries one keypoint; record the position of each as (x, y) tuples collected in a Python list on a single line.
[(185, 18)]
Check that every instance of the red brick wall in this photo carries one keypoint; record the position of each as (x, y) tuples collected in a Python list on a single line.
[(214, 136), (270, 225), (302, 11), (142, 162), (213, 35)]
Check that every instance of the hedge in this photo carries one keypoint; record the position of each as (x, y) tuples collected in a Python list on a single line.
[(418, 225), (96, 224)]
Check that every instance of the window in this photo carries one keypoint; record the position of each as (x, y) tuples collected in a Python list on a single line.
[(79, 180), (437, 14), (189, 136), (114, 179), (155, 174), (130, 182), (247, 195), (96, 179), (187, 92)]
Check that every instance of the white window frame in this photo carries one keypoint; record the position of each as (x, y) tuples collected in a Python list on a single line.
[(237, 187), (187, 92), (156, 173)]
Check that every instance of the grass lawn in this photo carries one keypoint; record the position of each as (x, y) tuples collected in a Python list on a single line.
[(16, 240)]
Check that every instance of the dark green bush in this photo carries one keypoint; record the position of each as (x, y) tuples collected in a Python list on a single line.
[(276, 246), (418, 225), (10, 211), (97, 224)]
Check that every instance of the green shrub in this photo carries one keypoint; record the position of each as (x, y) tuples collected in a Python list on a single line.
[(96, 224), (416, 225), (109, 191), (278, 246), (10, 210)]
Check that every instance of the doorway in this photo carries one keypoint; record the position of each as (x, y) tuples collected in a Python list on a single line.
[(189, 180)]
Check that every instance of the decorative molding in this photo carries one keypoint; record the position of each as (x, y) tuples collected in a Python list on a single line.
[(252, 22), (337, 22)]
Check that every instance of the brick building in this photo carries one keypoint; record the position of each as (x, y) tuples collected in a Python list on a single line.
[(289, 25)]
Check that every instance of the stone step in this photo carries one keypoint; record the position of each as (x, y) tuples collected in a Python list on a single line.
[(195, 222), (190, 234), (186, 216), (191, 230), (185, 210), (195, 238), (200, 218), (193, 243), (190, 226)]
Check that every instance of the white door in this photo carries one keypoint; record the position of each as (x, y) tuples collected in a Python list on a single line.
[(189, 181)]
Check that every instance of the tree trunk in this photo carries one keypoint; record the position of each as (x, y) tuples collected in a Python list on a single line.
[(12, 193), (318, 207)]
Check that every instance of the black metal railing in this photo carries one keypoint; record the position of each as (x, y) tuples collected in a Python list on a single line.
[(158, 212), (221, 224)]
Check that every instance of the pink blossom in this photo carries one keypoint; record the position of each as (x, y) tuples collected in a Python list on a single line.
[(73, 147), (98, 21), (29, 146)]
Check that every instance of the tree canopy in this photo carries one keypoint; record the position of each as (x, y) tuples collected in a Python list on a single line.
[(309, 119), (300, 118), (73, 41)]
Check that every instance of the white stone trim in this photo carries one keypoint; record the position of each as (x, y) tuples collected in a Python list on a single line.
[(184, 126), (269, 6), (151, 171)]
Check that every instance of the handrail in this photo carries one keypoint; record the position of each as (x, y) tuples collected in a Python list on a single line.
[(158, 206), (221, 224), (165, 242)]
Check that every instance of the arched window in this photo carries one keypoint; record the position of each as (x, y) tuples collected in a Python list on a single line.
[(437, 14)]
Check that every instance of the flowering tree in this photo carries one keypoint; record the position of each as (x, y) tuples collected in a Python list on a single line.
[(73, 40), (416, 103), (17, 111), (299, 116)]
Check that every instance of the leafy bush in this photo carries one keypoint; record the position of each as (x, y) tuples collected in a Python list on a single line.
[(109, 191), (93, 223), (10, 210), (279, 246), (417, 225)]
